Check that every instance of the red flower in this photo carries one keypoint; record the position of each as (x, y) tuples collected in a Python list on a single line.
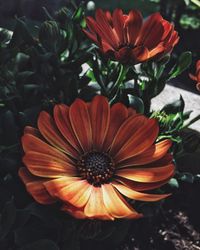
[(196, 77), (129, 40), (91, 156)]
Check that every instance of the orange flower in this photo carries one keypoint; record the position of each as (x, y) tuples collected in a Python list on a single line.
[(91, 156), (196, 77), (129, 40)]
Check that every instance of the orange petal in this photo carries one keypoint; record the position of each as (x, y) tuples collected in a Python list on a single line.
[(35, 187), (53, 186), (33, 143), (154, 153), (139, 186), (140, 54), (152, 31), (118, 115), (32, 131), (61, 116), (76, 192), (95, 207), (129, 127), (133, 24), (80, 121), (157, 50), (50, 132), (76, 212), (131, 112), (44, 165), (116, 204), (118, 23), (100, 119), (147, 174), (132, 194), (139, 141), (106, 29), (194, 78)]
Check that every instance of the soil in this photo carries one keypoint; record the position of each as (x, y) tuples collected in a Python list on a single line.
[(176, 227)]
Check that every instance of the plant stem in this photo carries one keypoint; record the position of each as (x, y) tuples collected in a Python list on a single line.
[(122, 73), (191, 122)]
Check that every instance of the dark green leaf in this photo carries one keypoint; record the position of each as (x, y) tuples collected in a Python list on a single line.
[(183, 63), (174, 107), (7, 218), (41, 245), (136, 103)]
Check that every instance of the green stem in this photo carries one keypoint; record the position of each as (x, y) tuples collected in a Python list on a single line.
[(122, 73), (191, 122)]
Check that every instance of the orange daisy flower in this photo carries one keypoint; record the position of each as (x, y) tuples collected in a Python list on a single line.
[(196, 77), (129, 40), (90, 156)]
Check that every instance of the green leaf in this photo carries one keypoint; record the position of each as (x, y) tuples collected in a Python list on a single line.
[(41, 245), (21, 34), (187, 177), (183, 63), (50, 36), (7, 219), (173, 183), (78, 15), (174, 107), (136, 103)]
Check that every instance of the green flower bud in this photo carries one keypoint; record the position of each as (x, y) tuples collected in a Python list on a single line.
[(50, 36)]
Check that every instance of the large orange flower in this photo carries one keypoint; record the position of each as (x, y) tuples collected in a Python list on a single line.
[(91, 156), (126, 38), (196, 77)]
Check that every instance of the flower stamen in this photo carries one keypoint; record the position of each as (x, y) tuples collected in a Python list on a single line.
[(96, 167)]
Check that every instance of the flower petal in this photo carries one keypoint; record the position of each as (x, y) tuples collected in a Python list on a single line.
[(95, 207), (147, 174), (100, 118), (131, 112), (129, 127), (53, 186), (139, 54), (132, 194), (106, 28), (141, 140), (116, 204), (35, 187), (32, 131), (118, 24), (33, 143), (73, 191), (77, 212), (50, 132), (61, 116), (157, 50), (133, 24), (118, 115), (142, 186), (154, 153), (44, 165), (80, 121), (152, 31)]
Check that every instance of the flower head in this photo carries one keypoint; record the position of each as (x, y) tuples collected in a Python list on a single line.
[(128, 39), (196, 77), (91, 156)]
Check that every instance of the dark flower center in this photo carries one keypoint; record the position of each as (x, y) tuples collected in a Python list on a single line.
[(126, 45), (96, 167)]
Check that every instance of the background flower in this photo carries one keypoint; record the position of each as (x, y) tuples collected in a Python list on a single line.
[(196, 77), (91, 156), (129, 40)]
